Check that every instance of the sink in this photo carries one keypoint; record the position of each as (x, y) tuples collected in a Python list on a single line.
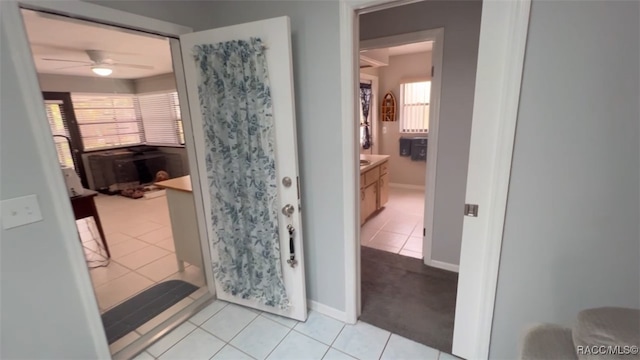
[(364, 162)]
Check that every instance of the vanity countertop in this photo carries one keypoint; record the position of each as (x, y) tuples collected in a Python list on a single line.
[(375, 160)]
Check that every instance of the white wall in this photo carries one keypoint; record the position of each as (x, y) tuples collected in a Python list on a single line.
[(315, 35), (401, 68), (370, 71), (571, 238), (85, 84), (89, 84), (40, 304), (164, 82), (461, 20)]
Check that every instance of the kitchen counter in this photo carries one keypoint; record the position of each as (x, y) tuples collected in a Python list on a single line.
[(375, 161), (182, 183), (184, 227)]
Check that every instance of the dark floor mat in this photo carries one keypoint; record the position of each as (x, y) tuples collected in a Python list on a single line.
[(402, 295), (143, 307)]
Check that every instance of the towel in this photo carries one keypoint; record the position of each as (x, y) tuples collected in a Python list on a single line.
[(405, 146), (419, 149)]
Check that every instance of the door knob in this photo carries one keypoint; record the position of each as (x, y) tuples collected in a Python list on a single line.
[(288, 210)]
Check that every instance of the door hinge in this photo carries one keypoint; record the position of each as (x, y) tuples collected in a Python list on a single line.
[(471, 210), (424, 232), (433, 71)]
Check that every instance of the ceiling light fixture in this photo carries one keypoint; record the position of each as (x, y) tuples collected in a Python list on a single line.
[(101, 70)]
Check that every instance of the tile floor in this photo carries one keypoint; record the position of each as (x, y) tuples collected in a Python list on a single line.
[(139, 236), (224, 331), (398, 227)]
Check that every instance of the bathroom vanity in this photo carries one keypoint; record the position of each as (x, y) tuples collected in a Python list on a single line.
[(374, 184)]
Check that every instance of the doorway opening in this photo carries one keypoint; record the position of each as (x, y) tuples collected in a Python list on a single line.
[(404, 285), (396, 147), (113, 110), (289, 299)]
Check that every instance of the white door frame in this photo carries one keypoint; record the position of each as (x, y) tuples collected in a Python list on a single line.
[(503, 34), (12, 23), (437, 36)]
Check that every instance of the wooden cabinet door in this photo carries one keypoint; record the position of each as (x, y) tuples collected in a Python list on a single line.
[(384, 190), (370, 199), (363, 210)]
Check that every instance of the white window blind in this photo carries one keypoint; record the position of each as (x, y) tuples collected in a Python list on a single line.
[(414, 108), (108, 120), (59, 128), (161, 119)]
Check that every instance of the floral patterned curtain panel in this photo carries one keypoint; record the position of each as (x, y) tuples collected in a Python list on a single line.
[(365, 101), (239, 132)]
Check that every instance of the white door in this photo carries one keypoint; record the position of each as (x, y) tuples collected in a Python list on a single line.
[(276, 36)]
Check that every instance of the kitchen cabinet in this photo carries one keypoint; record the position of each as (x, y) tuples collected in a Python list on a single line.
[(374, 185), (184, 228)]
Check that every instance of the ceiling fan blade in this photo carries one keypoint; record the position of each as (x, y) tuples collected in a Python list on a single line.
[(63, 60), (133, 66), (43, 47), (72, 67)]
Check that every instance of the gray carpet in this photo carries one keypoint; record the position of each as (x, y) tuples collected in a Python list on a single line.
[(402, 295)]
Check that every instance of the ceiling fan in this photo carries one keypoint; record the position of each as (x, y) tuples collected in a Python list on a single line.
[(100, 63)]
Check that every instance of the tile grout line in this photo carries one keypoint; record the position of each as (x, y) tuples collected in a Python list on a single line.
[(175, 343), (212, 315), (332, 341), (234, 336), (231, 345), (228, 342), (337, 336), (342, 352), (385, 345), (312, 338), (279, 342), (344, 325)]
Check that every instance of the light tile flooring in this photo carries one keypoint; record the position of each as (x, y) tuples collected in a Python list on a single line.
[(139, 236), (398, 226), (224, 331)]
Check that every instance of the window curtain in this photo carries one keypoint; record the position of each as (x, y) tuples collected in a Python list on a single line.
[(365, 101), (239, 132)]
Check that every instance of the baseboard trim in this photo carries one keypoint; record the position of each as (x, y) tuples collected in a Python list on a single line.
[(327, 310), (443, 265), (406, 186)]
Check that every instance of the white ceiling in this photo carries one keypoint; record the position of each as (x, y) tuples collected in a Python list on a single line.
[(63, 38), (411, 48)]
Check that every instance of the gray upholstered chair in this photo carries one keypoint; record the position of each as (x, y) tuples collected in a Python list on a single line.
[(594, 331)]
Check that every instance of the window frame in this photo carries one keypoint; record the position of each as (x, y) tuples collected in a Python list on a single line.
[(402, 129)]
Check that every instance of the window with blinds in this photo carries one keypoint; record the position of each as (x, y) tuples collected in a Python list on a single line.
[(161, 119), (60, 131), (414, 107), (108, 120)]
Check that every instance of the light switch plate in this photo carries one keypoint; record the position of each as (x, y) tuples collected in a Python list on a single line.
[(20, 211)]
